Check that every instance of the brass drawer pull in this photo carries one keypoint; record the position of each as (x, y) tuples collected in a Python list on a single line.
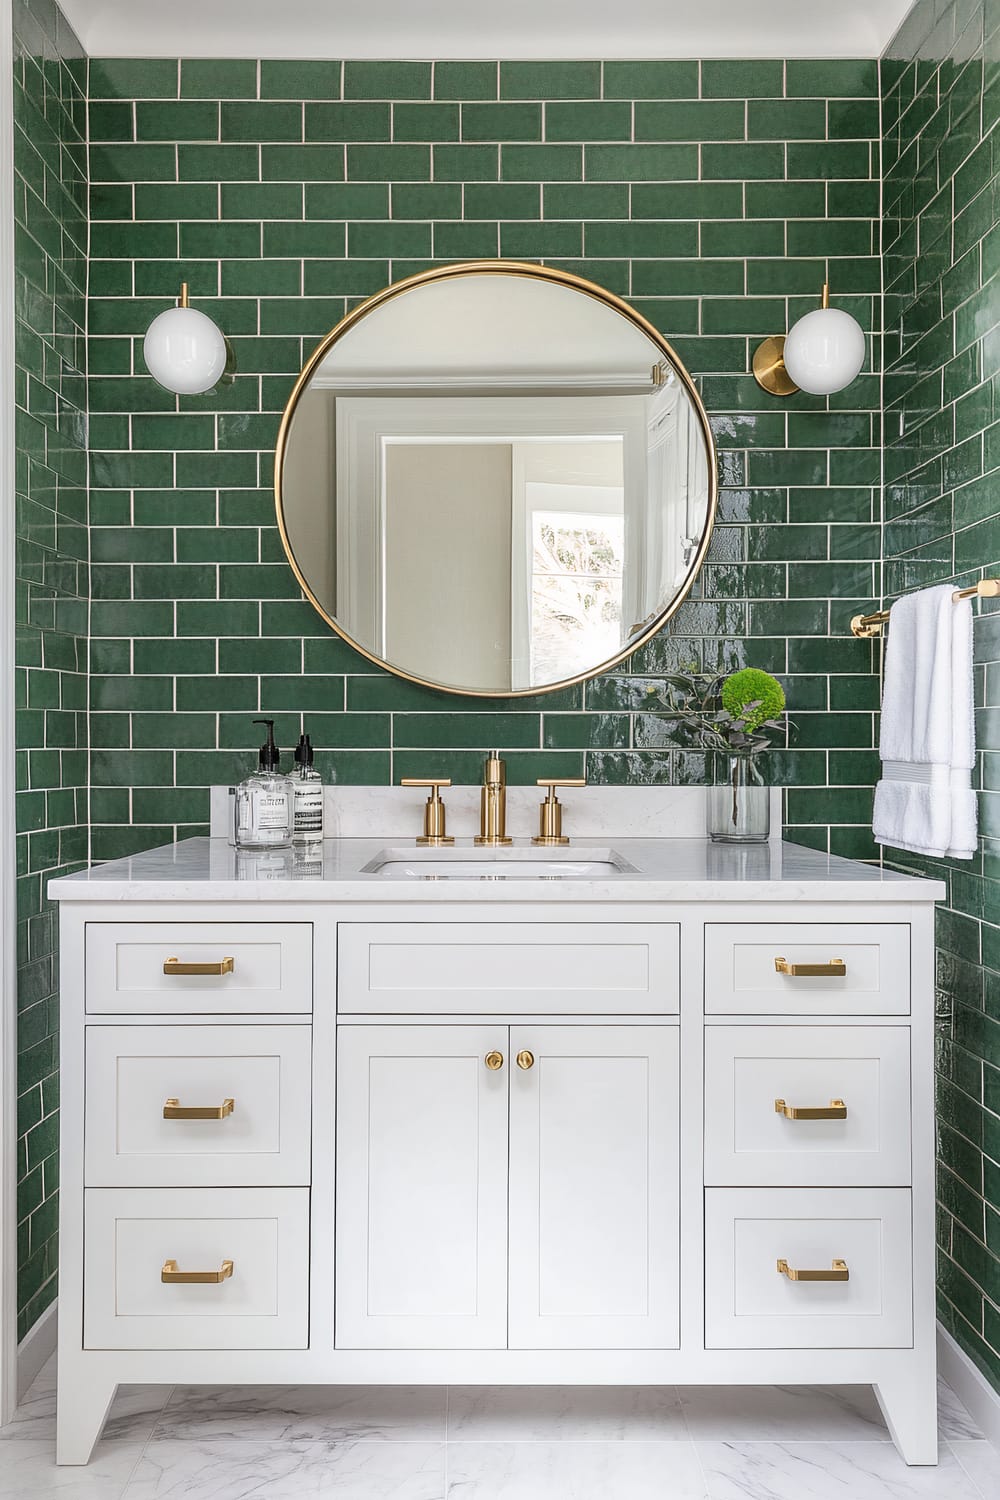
[(174, 1110), (221, 966), (837, 1111), (835, 969), (494, 1060), (526, 1059), (837, 1272), (173, 1277)]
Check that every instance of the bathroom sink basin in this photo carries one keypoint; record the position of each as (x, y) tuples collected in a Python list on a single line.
[(504, 863)]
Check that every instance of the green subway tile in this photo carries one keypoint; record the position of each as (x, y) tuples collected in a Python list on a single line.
[(186, 121), (760, 78), (737, 162), (112, 121), (300, 79), (640, 163), (648, 241), (348, 122), (251, 200), (585, 200), (176, 657), (180, 200), (786, 200), (538, 239), (258, 656), (261, 278), (133, 78), (262, 122), (466, 241), (831, 78), (828, 159), (423, 200), (466, 163), (753, 315), (554, 79), (291, 239), (382, 239), (387, 80), (597, 121), (388, 163), (230, 240), (465, 80), (706, 120), (502, 122), (112, 200), (425, 122), (687, 200), (502, 200), (218, 78), (786, 120), (345, 278), (134, 241), (344, 200), (218, 163), (300, 163), (852, 119), (672, 278), (650, 80), (139, 163)]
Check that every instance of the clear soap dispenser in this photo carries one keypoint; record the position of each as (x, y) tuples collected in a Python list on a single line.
[(307, 796), (264, 801)]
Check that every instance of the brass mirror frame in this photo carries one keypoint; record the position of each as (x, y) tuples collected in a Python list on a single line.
[(541, 273)]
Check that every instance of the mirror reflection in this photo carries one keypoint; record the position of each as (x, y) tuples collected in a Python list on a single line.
[(495, 481)]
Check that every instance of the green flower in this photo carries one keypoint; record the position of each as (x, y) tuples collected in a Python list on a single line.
[(753, 696)]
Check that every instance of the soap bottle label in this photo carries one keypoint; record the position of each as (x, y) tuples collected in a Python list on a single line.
[(308, 810)]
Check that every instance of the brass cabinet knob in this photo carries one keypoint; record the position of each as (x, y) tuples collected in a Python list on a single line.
[(494, 1060), (175, 966), (174, 1110), (526, 1059), (837, 1110), (837, 1272), (172, 1277), (434, 814), (835, 969)]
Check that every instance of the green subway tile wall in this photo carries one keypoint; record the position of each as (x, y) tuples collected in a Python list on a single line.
[(941, 102), (51, 588), (717, 197)]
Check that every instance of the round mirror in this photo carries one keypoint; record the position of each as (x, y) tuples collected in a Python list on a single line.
[(495, 479)]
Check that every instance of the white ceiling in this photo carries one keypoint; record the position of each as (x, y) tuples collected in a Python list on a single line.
[(485, 28)]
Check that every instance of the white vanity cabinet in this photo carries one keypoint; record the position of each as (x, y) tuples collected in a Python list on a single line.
[(672, 1129)]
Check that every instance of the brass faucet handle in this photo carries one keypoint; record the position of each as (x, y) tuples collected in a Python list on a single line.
[(434, 811), (550, 811)]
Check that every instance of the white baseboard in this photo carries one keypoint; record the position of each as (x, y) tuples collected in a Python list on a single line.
[(37, 1346), (971, 1387)]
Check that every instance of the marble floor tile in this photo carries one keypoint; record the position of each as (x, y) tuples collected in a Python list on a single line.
[(274, 1412), (131, 1419), (803, 1413), (953, 1419), (519, 1413), (241, 1469), (574, 1470), (28, 1471), (828, 1471), (981, 1461)]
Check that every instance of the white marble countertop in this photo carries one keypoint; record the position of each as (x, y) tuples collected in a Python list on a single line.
[(684, 869)]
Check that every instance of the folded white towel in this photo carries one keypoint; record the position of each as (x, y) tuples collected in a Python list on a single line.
[(925, 802)]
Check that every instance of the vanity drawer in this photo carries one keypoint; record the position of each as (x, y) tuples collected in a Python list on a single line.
[(864, 1068), (256, 967), (257, 1079), (742, 977), (130, 1235), (750, 1304), (451, 968)]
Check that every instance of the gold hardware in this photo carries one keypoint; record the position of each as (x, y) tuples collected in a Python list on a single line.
[(434, 812), (837, 1111), (838, 1272), (496, 268), (526, 1059), (867, 627), (174, 1110), (494, 1060), (493, 802), (222, 966), (173, 1277), (835, 969), (769, 359), (550, 811), (182, 300)]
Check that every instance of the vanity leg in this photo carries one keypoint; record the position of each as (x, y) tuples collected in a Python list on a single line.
[(82, 1404), (909, 1404)]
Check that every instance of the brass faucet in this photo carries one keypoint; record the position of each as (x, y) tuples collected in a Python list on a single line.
[(493, 802)]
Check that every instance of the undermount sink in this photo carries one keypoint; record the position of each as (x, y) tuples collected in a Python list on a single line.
[(501, 863)]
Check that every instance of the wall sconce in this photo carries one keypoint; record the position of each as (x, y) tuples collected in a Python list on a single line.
[(185, 351), (821, 353)]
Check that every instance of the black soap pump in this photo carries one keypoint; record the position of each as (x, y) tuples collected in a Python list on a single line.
[(264, 801)]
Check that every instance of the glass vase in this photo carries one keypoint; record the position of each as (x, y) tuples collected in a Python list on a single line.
[(739, 803)]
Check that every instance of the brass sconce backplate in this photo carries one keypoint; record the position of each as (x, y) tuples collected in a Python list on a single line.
[(769, 367)]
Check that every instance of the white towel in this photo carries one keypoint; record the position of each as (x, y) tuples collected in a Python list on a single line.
[(925, 802)]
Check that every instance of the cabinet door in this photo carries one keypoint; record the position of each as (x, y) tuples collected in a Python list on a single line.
[(421, 1188), (594, 1218)]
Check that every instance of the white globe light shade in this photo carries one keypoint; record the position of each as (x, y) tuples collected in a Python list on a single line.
[(185, 351), (824, 351)]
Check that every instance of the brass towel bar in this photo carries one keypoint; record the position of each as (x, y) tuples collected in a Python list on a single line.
[(869, 626)]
